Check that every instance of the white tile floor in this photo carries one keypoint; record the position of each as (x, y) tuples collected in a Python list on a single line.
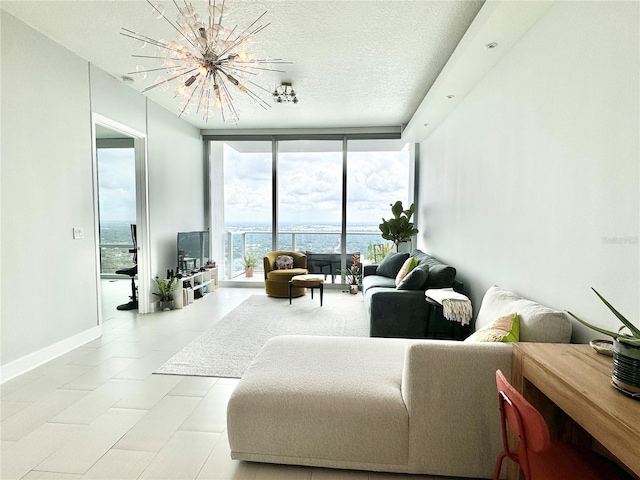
[(98, 412)]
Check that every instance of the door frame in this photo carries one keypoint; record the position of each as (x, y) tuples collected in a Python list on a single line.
[(142, 209)]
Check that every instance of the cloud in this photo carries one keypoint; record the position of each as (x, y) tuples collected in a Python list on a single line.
[(310, 185), (117, 184)]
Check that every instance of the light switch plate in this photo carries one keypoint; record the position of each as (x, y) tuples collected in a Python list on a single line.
[(78, 233)]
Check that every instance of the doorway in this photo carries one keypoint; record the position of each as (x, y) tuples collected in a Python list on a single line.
[(120, 192)]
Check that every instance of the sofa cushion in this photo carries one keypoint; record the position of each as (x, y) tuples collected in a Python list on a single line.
[(503, 329), (391, 264), (538, 323), (408, 265), (440, 276), (415, 280), (285, 275), (323, 401), (371, 281)]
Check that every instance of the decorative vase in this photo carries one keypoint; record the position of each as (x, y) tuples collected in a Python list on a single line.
[(353, 289), (166, 305), (626, 368), (248, 272), (403, 247)]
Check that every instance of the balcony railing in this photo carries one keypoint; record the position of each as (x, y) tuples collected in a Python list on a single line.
[(238, 243), (114, 256)]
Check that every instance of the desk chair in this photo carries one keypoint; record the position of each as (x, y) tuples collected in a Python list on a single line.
[(131, 272), (539, 456)]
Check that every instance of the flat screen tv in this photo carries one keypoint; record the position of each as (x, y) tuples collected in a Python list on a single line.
[(193, 250)]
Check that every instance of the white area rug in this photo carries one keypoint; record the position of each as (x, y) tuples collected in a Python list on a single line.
[(227, 348)]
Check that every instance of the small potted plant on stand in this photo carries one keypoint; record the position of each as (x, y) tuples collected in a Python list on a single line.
[(626, 352), (165, 292), (399, 229), (249, 262), (353, 274)]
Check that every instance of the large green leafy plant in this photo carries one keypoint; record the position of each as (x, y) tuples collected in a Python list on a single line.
[(632, 338), (399, 228)]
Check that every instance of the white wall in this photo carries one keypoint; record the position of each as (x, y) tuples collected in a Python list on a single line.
[(532, 183), (46, 191), (176, 169), (49, 294), (177, 184)]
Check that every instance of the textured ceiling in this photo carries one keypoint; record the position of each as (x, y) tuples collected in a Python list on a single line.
[(355, 63)]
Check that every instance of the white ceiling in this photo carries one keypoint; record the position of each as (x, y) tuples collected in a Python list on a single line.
[(355, 63)]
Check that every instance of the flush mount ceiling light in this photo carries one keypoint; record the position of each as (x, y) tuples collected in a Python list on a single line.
[(285, 93), (207, 60)]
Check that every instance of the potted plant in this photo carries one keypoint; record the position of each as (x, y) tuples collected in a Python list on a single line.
[(353, 274), (399, 228), (165, 291), (249, 262), (626, 352)]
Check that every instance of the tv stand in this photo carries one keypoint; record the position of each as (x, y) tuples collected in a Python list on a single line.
[(202, 283)]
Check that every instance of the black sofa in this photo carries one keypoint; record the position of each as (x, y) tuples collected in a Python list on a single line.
[(402, 311)]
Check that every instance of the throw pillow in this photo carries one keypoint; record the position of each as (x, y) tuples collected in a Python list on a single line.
[(414, 280), (391, 264), (504, 329), (409, 264), (440, 276), (284, 262)]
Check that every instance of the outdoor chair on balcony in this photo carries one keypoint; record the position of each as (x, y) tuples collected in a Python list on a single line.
[(327, 264), (276, 281)]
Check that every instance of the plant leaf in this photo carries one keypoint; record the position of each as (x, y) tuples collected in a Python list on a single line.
[(630, 341), (396, 209), (597, 329), (634, 330)]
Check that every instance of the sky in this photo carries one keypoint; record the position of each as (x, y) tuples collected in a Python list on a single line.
[(310, 186), (117, 184)]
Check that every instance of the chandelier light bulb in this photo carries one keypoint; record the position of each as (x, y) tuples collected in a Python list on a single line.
[(206, 55)]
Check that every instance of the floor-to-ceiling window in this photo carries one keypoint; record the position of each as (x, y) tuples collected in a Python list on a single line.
[(310, 195), (329, 198), (247, 204), (378, 174)]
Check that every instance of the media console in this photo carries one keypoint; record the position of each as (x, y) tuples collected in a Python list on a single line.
[(195, 285)]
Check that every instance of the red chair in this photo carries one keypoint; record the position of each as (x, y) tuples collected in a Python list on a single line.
[(539, 456)]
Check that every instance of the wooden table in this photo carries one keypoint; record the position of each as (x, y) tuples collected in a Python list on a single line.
[(578, 381)]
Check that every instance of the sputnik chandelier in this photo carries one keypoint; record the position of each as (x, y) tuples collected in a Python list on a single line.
[(209, 61)]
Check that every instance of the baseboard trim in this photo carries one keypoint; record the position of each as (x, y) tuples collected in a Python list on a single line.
[(44, 355)]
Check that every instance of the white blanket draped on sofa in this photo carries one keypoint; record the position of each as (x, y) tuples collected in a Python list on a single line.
[(456, 307)]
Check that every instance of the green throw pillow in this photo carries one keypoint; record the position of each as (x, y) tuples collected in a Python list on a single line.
[(504, 329)]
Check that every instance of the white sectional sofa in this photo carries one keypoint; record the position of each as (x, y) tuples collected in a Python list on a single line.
[(383, 404)]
